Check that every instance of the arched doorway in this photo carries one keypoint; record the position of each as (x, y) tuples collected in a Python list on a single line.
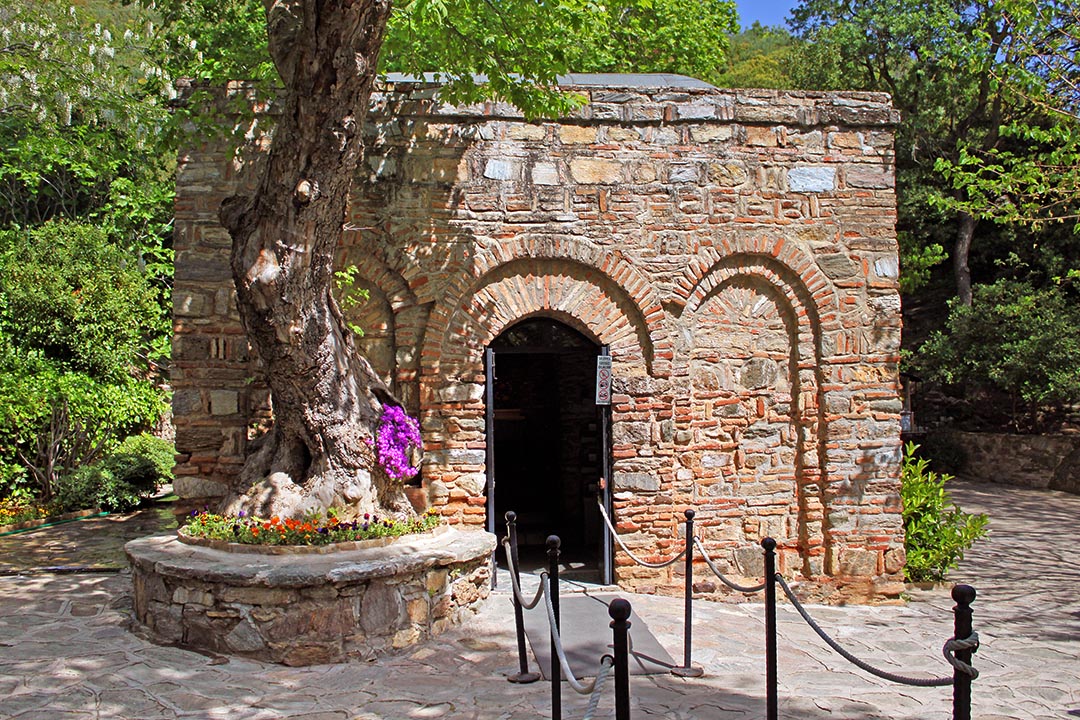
[(548, 449)]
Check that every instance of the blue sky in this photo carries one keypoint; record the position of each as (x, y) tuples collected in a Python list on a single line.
[(767, 12)]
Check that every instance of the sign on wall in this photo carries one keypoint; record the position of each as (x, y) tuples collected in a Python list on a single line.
[(603, 380)]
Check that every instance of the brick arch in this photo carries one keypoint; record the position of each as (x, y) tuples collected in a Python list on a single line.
[(606, 267), (395, 308), (787, 264), (475, 314), (800, 309), (376, 270)]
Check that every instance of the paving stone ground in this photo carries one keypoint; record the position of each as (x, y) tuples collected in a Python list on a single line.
[(66, 652)]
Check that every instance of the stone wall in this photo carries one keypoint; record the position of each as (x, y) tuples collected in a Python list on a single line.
[(1037, 461), (735, 250), (306, 609)]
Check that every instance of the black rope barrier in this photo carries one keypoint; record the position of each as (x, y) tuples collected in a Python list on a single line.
[(512, 559), (957, 650), (553, 543)]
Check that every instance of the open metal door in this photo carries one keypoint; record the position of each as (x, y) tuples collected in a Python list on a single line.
[(489, 464), (607, 556)]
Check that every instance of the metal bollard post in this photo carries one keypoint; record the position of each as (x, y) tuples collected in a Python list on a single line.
[(553, 543), (771, 703), (964, 595), (523, 675), (619, 611), (688, 670)]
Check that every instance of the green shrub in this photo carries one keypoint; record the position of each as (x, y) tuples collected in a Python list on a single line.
[(936, 531), (54, 420), (78, 321), (1015, 340), (96, 486), (68, 293), (122, 479), (143, 460)]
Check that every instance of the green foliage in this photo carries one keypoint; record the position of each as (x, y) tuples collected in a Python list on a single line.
[(689, 37), (1014, 339), (1033, 177), (82, 120), (349, 296), (78, 325), (144, 460), (936, 531), (53, 420), (759, 57), (119, 481), (521, 47), (70, 295)]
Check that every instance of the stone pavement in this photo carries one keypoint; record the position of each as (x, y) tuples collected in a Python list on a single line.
[(66, 652)]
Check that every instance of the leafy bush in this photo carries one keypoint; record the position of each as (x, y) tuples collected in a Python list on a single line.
[(76, 320), (1014, 339), (122, 479), (144, 460), (936, 531), (53, 421), (70, 295), (95, 486)]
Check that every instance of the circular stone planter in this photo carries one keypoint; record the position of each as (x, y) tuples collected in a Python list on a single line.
[(306, 607)]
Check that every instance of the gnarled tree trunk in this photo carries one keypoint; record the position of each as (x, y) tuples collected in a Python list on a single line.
[(284, 237)]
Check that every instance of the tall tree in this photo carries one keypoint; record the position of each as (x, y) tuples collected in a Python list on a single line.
[(949, 66)]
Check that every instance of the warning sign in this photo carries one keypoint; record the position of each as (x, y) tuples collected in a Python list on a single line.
[(603, 380)]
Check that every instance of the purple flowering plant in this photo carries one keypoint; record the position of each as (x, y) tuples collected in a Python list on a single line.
[(395, 439)]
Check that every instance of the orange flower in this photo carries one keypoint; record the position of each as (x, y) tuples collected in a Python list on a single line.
[(275, 520)]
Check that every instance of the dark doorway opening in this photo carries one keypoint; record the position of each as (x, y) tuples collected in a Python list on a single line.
[(547, 442)]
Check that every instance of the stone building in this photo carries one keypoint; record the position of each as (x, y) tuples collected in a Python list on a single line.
[(732, 251)]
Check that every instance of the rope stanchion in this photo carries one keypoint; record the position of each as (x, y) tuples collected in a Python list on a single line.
[(716, 571), (688, 669), (772, 703), (635, 558), (551, 593), (964, 644), (619, 611), (510, 547)]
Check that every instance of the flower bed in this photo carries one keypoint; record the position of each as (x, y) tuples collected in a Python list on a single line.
[(313, 530), (15, 513)]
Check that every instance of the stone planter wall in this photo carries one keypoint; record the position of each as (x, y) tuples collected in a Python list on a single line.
[(1038, 461), (306, 609)]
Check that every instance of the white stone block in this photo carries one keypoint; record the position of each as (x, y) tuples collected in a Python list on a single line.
[(812, 179)]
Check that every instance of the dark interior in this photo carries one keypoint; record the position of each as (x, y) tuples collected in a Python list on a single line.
[(547, 444)]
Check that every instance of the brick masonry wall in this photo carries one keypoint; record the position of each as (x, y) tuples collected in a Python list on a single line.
[(735, 249)]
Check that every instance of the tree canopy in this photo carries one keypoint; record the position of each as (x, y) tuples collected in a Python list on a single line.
[(987, 173)]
